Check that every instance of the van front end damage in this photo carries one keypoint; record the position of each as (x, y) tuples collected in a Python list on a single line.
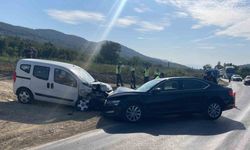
[(93, 96)]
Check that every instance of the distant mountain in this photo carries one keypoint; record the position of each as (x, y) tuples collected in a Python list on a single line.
[(245, 66), (73, 42)]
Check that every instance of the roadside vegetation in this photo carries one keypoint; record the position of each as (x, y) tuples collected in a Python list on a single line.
[(101, 66)]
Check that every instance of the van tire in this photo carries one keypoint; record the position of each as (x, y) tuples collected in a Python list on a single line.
[(24, 96), (82, 105)]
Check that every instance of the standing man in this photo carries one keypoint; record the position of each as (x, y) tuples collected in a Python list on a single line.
[(157, 74), (146, 74), (118, 71), (132, 71)]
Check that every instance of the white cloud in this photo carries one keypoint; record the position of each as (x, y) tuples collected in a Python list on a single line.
[(203, 39), (142, 8), (181, 14), (240, 29), (145, 26), (75, 16), (163, 1), (126, 21), (207, 47), (231, 16), (196, 26), (145, 38), (142, 25)]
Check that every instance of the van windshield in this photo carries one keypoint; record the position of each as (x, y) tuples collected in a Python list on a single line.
[(83, 75)]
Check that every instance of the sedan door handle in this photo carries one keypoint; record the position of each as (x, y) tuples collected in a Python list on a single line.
[(48, 85), (52, 85)]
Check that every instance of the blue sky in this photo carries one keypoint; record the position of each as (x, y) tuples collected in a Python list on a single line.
[(190, 32)]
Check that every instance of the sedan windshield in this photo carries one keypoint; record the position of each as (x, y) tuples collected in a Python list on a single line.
[(147, 86)]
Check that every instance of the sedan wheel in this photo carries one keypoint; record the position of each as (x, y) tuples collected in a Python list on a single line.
[(82, 105), (133, 113), (214, 110), (24, 96)]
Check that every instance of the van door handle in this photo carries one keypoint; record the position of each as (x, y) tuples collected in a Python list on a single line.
[(48, 85), (52, 85)]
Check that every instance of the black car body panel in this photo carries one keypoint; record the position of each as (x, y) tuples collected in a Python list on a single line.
[(171, 101)]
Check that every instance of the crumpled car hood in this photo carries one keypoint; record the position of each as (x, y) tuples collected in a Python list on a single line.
[(122, 90), (104, 86)]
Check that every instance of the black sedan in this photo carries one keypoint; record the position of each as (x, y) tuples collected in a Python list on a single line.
[(170, 96)]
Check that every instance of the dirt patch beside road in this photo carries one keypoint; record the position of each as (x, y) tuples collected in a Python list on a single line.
[(38, 123), (6, 92)]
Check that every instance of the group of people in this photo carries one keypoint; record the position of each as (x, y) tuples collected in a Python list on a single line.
[(146, 75), (211, 75)]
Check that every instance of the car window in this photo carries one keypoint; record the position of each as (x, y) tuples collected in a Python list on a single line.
[(170, 85), (25, 68), (41, 72), (193, 84), (83, 75), (64, 78), (147, 86)]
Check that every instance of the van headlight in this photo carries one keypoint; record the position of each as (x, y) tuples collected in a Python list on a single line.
[(113, 103)]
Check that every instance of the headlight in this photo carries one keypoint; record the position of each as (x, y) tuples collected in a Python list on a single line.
[(113, 103)]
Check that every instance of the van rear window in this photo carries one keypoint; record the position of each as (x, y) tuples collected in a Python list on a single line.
[(25, 68), (41, 72)]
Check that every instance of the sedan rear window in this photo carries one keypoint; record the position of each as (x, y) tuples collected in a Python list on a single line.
[(193, 84)]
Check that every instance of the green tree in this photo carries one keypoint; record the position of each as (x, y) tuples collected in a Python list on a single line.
[(244, 71), (48, 49), (2, 46), (109, 53), (207, 67)]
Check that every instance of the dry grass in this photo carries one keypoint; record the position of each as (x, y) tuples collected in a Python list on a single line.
[(38, 123)]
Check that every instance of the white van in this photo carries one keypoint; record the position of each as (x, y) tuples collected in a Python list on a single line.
[(58, 82)]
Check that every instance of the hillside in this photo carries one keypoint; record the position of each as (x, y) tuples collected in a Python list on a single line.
[(72, 42), (245, 66)]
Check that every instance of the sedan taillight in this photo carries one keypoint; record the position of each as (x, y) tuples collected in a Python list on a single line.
[(231, 93)]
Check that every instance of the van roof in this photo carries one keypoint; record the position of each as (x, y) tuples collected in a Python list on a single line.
[(57, 63)]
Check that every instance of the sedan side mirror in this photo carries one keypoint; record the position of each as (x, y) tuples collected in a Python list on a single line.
[(156, 90)]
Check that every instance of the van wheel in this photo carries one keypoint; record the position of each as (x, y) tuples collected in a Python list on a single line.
[(24, 96), (214, 110), (82, 105)]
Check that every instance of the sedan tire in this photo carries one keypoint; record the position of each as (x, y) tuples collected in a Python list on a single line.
[(133, 113), (213, 110)]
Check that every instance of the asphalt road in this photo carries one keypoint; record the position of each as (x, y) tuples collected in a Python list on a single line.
[(193, 132)]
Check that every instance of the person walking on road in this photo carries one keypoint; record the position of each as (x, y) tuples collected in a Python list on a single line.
[(118, 75), (132, 71), (157, 74), (146, 74)]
